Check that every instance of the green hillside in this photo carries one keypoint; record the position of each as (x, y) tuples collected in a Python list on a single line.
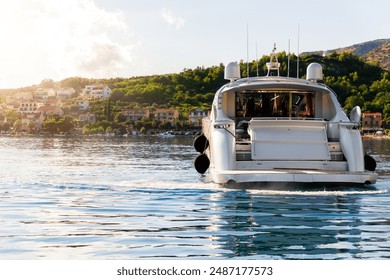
[(355, 81)]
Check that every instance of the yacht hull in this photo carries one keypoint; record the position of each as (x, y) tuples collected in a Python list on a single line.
[(293, 176)]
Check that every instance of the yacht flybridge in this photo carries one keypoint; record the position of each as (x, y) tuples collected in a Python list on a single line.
[(279, 129)]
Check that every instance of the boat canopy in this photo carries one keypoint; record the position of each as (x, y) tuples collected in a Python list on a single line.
[(251, 101)]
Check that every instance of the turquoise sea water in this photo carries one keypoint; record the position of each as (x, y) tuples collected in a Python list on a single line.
[(141, 198)]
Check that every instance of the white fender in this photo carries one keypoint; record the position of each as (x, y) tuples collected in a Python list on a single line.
[(352, 147), (356, 114)]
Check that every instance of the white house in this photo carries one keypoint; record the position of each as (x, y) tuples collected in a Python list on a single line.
[(22, 95), (44, 93), (96, 91), (29, 106), (196, 116), (82, 104)]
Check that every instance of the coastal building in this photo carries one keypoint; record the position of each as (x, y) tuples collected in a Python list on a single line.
[(52, 101), (48, 111), (29, 106), (166, 115), (371, 123), (82, 104), (87, 118), (96, 91), (22, 95), (136, 114), (31, 122), (195, 117), (44, 93), (82, 120)]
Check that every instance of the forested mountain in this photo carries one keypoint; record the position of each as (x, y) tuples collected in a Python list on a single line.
[(375, 51), (380, 54)]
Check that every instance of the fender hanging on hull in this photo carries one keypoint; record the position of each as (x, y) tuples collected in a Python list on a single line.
[(201, 143), (369, 163), (201, 163)]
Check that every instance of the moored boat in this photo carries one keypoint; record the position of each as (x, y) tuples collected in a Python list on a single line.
[(281, 129), (166, 134)]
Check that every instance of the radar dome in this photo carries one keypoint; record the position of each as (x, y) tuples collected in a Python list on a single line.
[(232, 71), (314, 72)]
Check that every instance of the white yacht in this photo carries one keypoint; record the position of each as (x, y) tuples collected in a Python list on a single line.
[(280, 129)]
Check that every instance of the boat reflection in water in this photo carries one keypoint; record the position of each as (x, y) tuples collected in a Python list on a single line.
[(298, 225)]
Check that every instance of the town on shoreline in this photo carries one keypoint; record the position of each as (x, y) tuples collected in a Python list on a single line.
[(62, 111)]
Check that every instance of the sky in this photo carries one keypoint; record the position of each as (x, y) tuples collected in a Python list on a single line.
[(57, 39)]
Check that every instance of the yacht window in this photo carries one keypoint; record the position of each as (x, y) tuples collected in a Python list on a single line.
[(291, 104)]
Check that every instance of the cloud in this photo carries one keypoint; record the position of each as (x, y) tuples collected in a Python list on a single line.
[(57, 39), (172, 20)]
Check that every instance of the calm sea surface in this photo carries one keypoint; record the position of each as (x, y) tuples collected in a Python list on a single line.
[(132, 198)]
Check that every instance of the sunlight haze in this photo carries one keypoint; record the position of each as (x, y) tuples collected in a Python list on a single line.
[(123, 38)]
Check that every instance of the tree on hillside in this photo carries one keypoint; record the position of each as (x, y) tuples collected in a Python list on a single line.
[(59, 125), (77, 83)]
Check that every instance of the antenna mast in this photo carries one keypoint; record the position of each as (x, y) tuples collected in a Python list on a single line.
[(298, 55), (247, 50), (257, 62), (288, 59)]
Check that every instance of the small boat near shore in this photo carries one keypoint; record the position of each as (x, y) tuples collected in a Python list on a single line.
[(281, 129), (166, 134)]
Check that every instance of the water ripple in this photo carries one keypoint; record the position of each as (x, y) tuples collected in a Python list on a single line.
[(103, 198)]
